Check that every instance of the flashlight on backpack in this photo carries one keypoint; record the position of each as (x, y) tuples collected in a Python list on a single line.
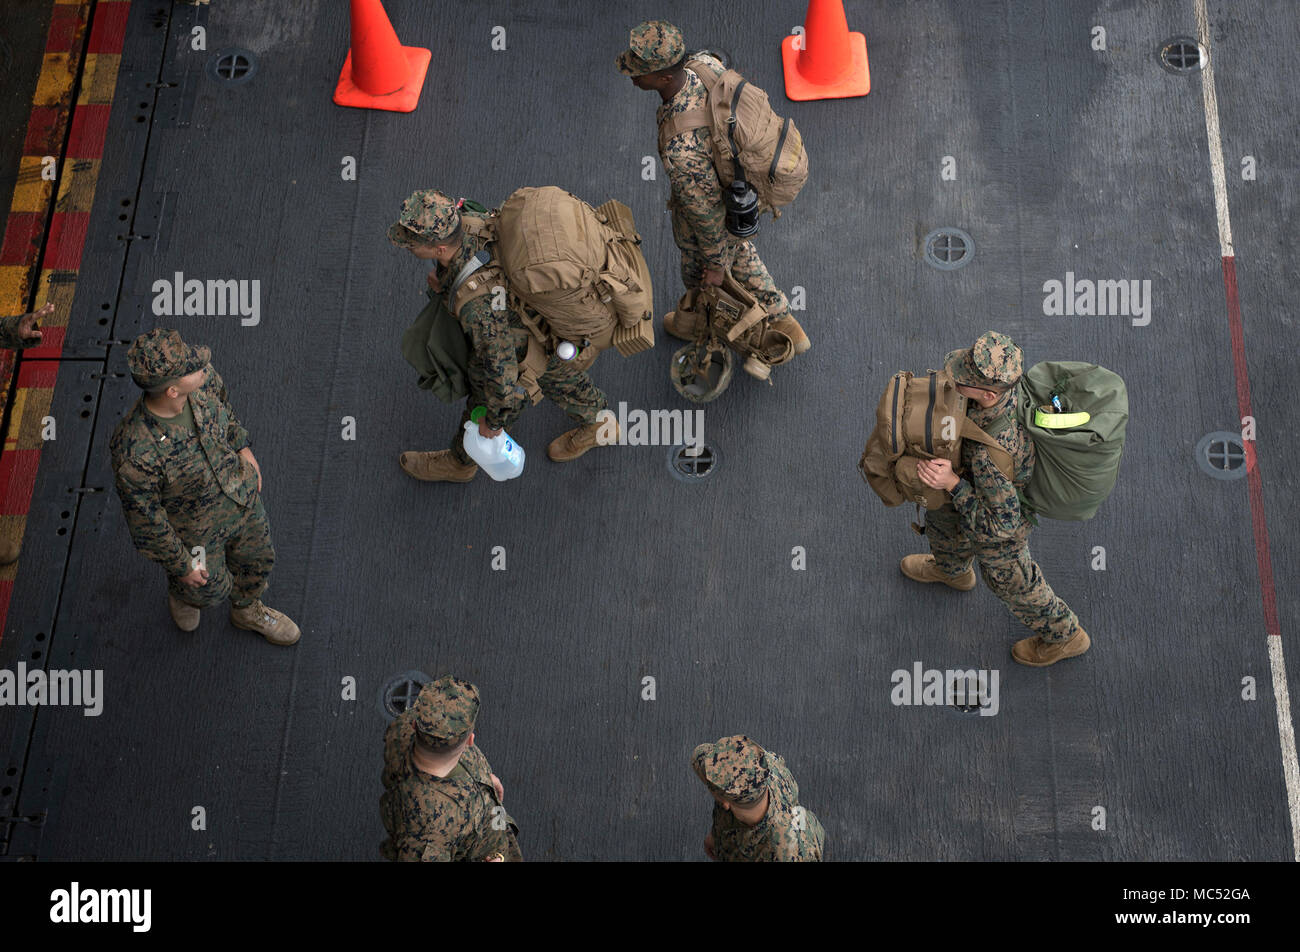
[(741, 203)]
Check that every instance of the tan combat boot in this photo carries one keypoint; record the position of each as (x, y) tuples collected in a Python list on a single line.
[(788, 326), (439, 466), (682, 326), (276, 627), (1038, 653), (921, 568), (572, 444), (184, 614), (9, 552)]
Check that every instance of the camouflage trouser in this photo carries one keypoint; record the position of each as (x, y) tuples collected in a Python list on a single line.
[(569, 388), (238, 555), (1008, 570), (747, 268)]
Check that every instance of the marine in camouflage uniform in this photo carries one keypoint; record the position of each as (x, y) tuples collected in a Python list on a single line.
[(188, 478), (430, 228), (742, 777), (984, 521), (441, 801), (654, 61), (19, 332)]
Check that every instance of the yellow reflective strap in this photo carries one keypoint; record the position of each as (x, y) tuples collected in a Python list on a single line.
[(1049, 420)]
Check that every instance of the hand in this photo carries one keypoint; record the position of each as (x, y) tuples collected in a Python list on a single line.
[(27, 326), (495, 858), (708, 846), (247, 453), (496, 783), (486, 432), (937, 474), (434, 283), (713, 276), (196, 579)]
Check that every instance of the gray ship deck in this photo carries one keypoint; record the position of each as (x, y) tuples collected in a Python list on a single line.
[(1068, 160)]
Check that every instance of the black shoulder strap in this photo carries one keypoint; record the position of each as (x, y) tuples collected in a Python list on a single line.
[(731, 128), (776, 156)]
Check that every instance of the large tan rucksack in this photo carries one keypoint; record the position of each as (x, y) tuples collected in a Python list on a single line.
[(920, 418), (769, 149), (578, 271)]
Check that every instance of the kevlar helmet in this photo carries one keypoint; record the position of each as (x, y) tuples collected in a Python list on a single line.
[(700, 373)]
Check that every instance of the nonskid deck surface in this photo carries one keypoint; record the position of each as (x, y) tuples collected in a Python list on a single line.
[(1068, 161)]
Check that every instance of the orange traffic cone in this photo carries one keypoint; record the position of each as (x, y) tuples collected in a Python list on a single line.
[(833, 61), (380, 73)]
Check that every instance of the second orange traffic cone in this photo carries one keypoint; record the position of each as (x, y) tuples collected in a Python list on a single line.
[(833, 61), (380, 73)]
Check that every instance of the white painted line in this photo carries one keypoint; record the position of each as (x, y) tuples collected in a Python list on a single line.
[(1290, 767), (1276, 661), (1212, 131)]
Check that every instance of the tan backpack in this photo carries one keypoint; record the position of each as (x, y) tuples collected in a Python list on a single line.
[(920, 418), (578, 271), (769, 149)]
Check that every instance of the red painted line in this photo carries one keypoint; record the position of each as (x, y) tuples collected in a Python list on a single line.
[(51, 345), (6, 592), (17, 477), (1260, 525), (38, 374), (108, 35), (63, 28), (89, 129), (22, 238), (67, 238), (43, 127)]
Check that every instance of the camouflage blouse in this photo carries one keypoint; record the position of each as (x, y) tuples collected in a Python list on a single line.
[(788, 833), (456, 818)]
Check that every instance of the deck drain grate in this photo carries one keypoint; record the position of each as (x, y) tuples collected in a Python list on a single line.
[(949, 249), (233, 67), (1182, 55), (964, 695), (1222, 455), (400, 691), (693, 468)]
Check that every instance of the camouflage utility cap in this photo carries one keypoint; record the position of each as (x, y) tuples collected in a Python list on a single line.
[(160, 356), (653, 45), (446, 710), (994, 363), (733, 767), (428, 216)]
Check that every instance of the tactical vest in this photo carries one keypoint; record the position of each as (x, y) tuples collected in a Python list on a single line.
[(921, 418)]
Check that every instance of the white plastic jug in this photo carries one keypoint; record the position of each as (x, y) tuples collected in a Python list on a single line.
[(501, 457)]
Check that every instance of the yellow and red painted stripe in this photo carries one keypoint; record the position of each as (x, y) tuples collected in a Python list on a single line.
[(84, 124)]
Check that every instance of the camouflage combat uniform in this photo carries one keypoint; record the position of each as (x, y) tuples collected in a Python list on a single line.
[(498, 339), (184, 486), (698, 213), (985, 522), (9, 334), (456, 818), (741, 771)]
